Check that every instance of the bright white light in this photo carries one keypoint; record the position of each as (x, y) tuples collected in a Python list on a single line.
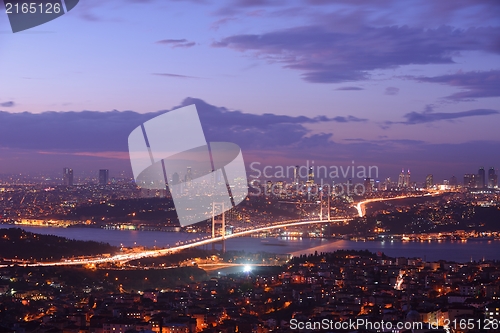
[(247, 268)]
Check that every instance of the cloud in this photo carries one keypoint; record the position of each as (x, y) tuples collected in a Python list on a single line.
[(478, 84), (239, 6), (217, 24), (350, 88), (92, 132), (87, 16), (266, 131), (69, 131), (391, 91), (174, 43), (7, 104), (413, 118), (178, 76), (333, 56), (254, 3), (348, 119)]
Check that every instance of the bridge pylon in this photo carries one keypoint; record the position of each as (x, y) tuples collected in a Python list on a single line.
[(223, 227)]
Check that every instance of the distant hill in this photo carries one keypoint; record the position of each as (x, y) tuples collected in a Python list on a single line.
[(20, 244)]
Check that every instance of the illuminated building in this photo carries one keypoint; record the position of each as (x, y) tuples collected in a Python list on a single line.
[(68, 177), (279, 186), (429, 181), (368, 185), (296, 175), (310, 177), (470, 180), (404, 179), (481, 177), (269, 187), (103, 176), (492, 311), (492, 178), (401, 179), (387, 184)]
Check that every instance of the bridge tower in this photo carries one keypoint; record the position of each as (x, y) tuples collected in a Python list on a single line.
[(329, 207), (321, 205), (223, 227)]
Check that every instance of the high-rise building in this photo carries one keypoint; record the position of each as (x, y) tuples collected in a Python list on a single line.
[(279, 186), (492, 178), (453, 181), (404, 180), (189, 174), (368, 185), (103, 176), (68, 177), (429, 181), (269, 187), (310, 177), (481, 177), (401, 179), (467, 180), (296, 175), (470, 180), (387, 184), (407, 179)]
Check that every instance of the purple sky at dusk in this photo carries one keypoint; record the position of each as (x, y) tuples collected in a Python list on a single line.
[(411, 84)]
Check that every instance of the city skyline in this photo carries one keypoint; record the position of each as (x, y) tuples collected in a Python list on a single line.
[(292, 175)]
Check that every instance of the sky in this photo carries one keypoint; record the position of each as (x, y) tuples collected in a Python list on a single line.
[(394, 84)]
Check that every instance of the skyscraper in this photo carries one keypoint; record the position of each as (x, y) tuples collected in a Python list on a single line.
[(401, 179), (368, 185), (467, 179), (68, 177), (492, 178), (310, 177), (470, 180), (296, 175), (387, 184), (481, 177), (453, 181), (407, 179), (429, 181), (103, 176)]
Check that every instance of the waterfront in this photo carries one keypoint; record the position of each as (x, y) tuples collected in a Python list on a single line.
[(460, 251)]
